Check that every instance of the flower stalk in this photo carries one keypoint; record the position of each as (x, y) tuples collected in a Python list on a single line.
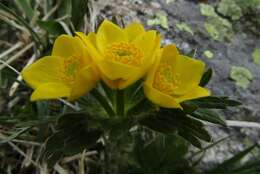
[(102, 100), (120, 102)]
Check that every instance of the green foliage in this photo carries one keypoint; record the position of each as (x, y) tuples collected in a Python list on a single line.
[(230, 9), (241, 75), (74, 134), (206, 77)]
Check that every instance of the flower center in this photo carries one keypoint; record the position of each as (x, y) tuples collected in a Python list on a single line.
[(165, 80), (125, 53), (69, 69)]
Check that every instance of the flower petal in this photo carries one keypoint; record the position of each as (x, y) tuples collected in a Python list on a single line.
[(90, 43), (151, 73), (197, 92), (85, 81), (115, 71), (50, 91), (160, 98), (188, 72), (66, 46), (146, 42), (133, 30), (170, 55), (109, 33), (42, 71)]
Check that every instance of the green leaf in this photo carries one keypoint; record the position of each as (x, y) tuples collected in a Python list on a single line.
[(26, 7), (212, 102), (191, 138), (241, 75), (163, 153), (209, 115), (79, 9), (52, 27), (206, 77), (75, 132)]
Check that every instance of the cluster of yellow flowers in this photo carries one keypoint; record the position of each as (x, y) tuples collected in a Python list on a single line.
[(119, 57)]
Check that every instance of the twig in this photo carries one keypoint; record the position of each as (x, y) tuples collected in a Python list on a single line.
[(16, 148), (10, 67), (52, 11), (243, 124), (76, 108), (78, 156), (16, 56), (19, 78), (13, 48), (59, 169), (247, 124)]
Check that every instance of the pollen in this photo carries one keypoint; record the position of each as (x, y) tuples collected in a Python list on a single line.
[(165, 80), (69, 69), (125, 53)]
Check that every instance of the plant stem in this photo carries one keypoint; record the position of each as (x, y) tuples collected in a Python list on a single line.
[(102, 100), (120, 102)]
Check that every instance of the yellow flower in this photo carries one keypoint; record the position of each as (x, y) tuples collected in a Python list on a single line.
[(68, 72), (123, 55), (174, 78)]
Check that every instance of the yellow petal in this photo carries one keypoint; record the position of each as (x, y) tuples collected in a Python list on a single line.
[(42, 71), (109, 33), (90, 43), (133, 30), (50, 91), (115, 71), (151, 73), (170, 55), (113, 84), (85, 81), (66, 46), (140, 73), (146, 42), (197, 92), (160, 98), (188, 73)]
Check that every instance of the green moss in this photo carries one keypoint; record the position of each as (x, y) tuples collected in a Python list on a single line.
[(241, 75), (160, 19), (230, 9), (208, 54), (218, 28), (256, 56), (207, 10), (169, 1), (185, 27)]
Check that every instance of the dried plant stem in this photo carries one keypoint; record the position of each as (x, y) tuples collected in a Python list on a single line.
[(244, 124), (19, 78), (10, 50), (78, 156), (17, 55)]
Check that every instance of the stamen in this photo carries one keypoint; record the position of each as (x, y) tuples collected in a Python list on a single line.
[(69, 69), (165, 80), (125, 53)]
